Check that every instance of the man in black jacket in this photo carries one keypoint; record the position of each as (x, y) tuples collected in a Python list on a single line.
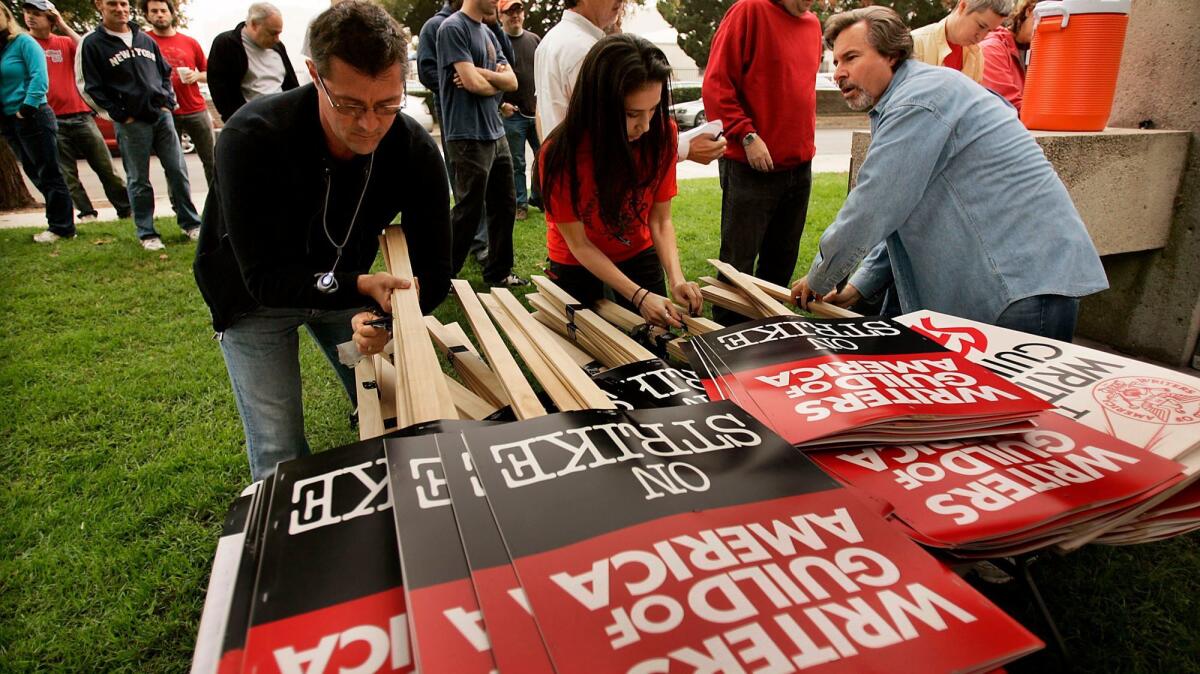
[(249, 61), (305, 182), (125, 75)]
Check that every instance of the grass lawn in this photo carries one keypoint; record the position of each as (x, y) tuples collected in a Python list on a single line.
[(120, 449)]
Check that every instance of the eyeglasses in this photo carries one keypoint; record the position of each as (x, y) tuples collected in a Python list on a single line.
[(358, 111)]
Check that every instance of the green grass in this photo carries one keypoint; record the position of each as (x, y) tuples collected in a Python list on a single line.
[(120, 449)]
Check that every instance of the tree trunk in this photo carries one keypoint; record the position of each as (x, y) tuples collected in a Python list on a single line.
[(13, 193)]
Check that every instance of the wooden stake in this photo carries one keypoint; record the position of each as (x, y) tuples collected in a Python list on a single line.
[(525, 403), (370, 417), (562, 395), (470, 406), (421, 393), (455, 346)]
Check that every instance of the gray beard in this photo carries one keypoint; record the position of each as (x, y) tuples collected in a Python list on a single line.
[(861, 102)]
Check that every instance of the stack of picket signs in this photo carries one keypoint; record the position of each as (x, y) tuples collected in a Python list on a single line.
[(618, 521), (682, 538)]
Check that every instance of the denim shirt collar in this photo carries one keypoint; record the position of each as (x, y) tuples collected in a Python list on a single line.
[(898, 78)]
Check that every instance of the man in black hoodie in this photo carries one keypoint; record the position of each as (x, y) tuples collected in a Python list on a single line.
[(289, 242), (125, 75), (249, 61)]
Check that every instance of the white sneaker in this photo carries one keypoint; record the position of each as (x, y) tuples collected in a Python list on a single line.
[(153, 243), (90, 217), (47, 236), (194, 233)]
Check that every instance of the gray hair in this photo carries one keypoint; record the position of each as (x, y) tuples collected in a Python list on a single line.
[(259, 12), (1001, 7), (886, 31)]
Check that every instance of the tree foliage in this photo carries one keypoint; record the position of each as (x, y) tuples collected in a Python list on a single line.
[(696, 21), (540, 16), (80, 14)]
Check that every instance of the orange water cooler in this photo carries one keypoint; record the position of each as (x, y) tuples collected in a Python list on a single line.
[(1074, 61)]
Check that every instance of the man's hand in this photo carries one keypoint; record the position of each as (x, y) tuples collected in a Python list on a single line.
[(128, 121), (56, 19), (368, 339), (379, 287), (458, 81), (759, 156), (508, 110), (704, 149), (844, 298), (191, 77)]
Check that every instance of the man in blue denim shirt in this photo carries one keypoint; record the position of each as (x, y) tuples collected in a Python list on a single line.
[(956, 207)]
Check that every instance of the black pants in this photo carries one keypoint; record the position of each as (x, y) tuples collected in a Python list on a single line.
[(482, 173), (762, 217), (643, 269)]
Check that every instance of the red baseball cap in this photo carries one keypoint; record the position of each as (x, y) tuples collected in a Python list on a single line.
[(505, 5)]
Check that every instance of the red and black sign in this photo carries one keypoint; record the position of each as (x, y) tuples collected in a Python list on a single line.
[(693, 538), (961, 493), (651, 383), (447, 626), (516, 643), (329, 595), (241, 598), (855, 380)]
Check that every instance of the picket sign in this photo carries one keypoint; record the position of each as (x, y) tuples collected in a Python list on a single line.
[(525, 403)]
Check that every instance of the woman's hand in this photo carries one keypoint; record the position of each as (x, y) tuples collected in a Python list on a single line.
[(687, 294), (658, 310)]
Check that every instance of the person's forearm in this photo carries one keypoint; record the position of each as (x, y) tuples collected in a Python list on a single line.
[(203, 77), (66, 30), (501, 81)]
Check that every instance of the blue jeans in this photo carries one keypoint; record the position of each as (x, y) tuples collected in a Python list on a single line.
[(1051, 316), (520, 130), (136, 140), (35, 142), (262, 356)]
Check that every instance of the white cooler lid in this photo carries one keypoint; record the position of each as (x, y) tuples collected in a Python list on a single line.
[(1065, 8)]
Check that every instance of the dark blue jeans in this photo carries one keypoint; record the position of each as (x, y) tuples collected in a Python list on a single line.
[(762, 218), (1051, 316), (137, 139), (79, 138), (35, 143), (521, 130)]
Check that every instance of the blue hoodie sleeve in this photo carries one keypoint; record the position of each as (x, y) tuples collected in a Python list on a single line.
[(37, 81)]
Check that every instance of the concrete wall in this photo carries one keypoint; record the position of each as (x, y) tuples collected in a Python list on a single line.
[(1158, 292)]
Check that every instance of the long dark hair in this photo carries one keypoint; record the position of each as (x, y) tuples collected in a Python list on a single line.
[(615, 67)]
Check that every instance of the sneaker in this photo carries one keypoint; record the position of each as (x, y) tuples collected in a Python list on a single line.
[(193, 233), (510, 281), (48, 236), (153, 243), (86, 217), (522, 213), (481, 256)]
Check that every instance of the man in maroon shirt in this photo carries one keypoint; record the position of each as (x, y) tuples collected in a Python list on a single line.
[(761, 83), (189, 69), (78, 136)]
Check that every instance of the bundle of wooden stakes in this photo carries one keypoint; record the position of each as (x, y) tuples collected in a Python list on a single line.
[(755, 298)]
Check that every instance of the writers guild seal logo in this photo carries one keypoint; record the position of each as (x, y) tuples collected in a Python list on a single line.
[(961, 339), (1150, 399)]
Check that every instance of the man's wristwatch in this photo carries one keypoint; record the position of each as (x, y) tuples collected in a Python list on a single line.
[(749, 138)]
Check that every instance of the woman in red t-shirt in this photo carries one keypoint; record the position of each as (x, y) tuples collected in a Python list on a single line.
[(617, 231)]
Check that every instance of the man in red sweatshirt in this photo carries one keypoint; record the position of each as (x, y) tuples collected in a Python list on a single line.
[(761, 83)]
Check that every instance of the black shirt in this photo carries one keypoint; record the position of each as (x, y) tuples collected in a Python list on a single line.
[(525, 97), (262, 242)]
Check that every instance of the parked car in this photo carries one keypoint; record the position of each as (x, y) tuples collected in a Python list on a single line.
[(110, 138), (691, 114)]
